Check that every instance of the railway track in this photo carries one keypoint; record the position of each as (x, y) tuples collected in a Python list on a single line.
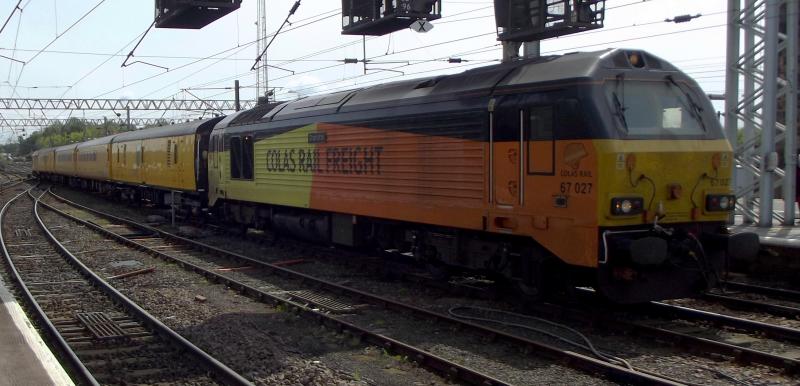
[(778, 293), (338, 306), (738, 303), (105, 338), (699, 315)]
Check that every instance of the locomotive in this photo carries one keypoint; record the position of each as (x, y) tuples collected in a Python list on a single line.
[(606, 169)]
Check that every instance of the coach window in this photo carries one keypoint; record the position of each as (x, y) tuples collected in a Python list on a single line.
[(236, 157), (541, 143)]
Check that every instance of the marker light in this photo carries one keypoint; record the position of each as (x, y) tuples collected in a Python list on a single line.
[(720, 202), (626, 206)]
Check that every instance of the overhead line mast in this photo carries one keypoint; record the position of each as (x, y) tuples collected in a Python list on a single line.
[(261, 39)]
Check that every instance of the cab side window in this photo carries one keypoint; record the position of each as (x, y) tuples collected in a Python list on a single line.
[(541, 140), (247, 157), (212, 150), (236, 157)]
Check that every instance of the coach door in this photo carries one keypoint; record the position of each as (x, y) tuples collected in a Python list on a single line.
[(507, 154)]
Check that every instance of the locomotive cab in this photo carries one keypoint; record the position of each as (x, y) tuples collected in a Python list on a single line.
[(664, 184), (621, 170)]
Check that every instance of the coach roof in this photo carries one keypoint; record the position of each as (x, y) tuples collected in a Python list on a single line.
[(68, 147), (97, 141), (178, 129)]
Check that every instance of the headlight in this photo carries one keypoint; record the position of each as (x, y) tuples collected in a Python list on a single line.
[(626, 206), (720, 202)]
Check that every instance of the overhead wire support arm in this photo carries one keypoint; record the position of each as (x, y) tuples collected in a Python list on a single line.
[(12, 59), (286, 21), (277, 68), (16, 7), (210, 106), (130, 54), (147, 64)]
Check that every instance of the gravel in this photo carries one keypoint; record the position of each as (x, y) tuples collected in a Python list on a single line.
[(265, 344), (501, 361)]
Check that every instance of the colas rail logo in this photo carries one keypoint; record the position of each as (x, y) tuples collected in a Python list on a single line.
[(573, 154)]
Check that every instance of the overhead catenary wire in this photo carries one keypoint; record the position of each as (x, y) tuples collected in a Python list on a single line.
[(493, 47), (130, 54), (345, 45), (93, 70), (53, 41), (249, 73), (16, 7), (338, 63), (240, 47), (570, 48), (285, 21), (16, 39), (552, 51), (304, 57), (39, 52)]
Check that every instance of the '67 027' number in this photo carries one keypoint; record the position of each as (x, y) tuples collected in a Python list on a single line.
[(576, 187)]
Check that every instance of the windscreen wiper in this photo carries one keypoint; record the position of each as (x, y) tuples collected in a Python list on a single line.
[(696, 109), (620, 110), (620, 105)]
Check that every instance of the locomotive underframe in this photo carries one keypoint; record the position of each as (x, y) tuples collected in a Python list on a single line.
[(187, 204), (518, 259), (638, 264)]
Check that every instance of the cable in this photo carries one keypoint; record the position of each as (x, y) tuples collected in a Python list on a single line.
[(302, 58), (66, 30), (586, 345), (242, 47), (16, 7), (629, 4), (214, 55), (640, 37), (13, 53), (112, 56), (130, 54), (53, 41), (285, 21), (564, 49)]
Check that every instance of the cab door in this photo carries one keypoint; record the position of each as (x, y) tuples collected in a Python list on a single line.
[(507, 157), (215, 180)]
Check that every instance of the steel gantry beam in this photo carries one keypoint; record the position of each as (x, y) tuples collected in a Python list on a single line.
[(763, 60), (44, 122), (121, 104)]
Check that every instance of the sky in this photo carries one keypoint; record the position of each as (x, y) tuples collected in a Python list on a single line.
[(75, 48)]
